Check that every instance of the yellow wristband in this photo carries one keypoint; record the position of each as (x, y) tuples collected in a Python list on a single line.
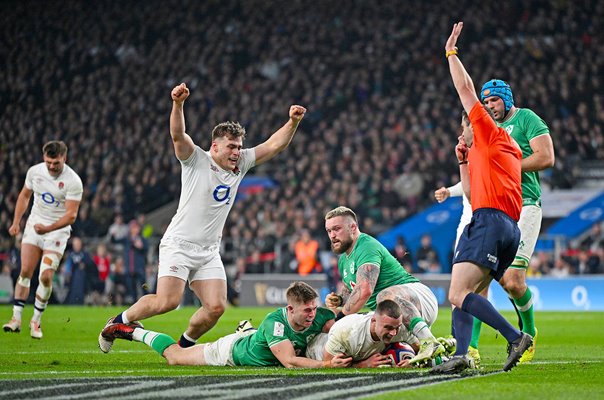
[(451, 53)]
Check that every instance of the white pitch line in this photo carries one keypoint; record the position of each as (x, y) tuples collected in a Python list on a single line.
[(109, 393), (54, 387), (118, 371), (195, 390), (348, 392), (70, 352)]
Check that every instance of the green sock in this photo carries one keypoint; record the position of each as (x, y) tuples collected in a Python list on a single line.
[(476, 327), (157, 341), (525, 307)]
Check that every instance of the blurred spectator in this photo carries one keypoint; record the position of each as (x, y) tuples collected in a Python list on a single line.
[(403, 254), (118, 232), (561, 269), (135, 262), (117, 286), (103, 264), (80, 271), (427, 257), (306, 250)]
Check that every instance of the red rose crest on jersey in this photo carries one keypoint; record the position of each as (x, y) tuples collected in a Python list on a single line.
[(61, 185)]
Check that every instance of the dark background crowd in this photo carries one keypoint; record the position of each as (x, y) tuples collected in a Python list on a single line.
[(378, 137)]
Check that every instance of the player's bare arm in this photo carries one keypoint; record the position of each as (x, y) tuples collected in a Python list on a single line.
[(366, 278), (183, 144), (20, 207), (71, 213), (281, 138), (461, 79), (336, 300), (461, 151), (543, 154), (285, 353)]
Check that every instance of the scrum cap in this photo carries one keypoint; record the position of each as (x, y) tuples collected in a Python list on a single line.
[(499, 88)]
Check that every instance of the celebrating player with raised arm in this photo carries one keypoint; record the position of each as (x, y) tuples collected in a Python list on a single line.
[(57, 192), (489, 166), (189, 250), (281, 338)]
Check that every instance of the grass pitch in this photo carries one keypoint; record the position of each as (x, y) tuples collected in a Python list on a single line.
[(66, 364)]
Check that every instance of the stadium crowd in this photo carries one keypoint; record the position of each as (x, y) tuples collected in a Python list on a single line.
[(378, 137)]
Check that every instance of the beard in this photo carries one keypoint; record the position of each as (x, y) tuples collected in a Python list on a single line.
[(344, 246)]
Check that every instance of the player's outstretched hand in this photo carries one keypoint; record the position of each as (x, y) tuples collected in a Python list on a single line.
[(377, 360), (14, 229), (452, 41), (296, 113), (333, 300), (441, 194), (180, 93), (340, 361)]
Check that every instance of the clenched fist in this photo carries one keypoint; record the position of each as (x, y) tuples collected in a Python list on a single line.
[(180, 93), (296, 113)]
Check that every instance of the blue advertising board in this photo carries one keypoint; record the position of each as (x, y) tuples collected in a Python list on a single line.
[(558, 294)]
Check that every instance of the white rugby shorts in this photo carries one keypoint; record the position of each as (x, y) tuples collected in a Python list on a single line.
[(54, 241), (427, 300), (529, 225), (220, 352), (188, 261)]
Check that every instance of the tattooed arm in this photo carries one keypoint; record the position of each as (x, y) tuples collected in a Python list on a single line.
[(367, 276)]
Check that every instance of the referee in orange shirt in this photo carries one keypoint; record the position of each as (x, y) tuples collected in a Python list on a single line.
[(489, 166)]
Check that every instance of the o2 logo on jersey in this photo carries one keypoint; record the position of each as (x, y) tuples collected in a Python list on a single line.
[(222, 193), (48, 198)]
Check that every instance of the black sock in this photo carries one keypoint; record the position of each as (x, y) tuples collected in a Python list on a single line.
[(462, 326), (118, 319), (482, 309), (184, 342)]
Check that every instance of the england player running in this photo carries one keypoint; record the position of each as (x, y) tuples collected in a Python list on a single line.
[(188, 251), (371, 274), (489, 166), (281, 338), (532, 134), (57, 192)]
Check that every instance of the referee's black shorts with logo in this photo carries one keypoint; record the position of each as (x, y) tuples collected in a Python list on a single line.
[(490, 240)]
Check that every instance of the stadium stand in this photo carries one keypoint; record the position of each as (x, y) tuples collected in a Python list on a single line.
[(382, 119)]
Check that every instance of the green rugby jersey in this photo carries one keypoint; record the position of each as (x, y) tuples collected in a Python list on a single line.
[(367, 250), (254, 350), (524, 126)]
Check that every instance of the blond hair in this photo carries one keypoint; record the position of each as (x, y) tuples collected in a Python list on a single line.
[(341, 211)]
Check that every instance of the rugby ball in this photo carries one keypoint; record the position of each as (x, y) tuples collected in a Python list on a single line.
[(399, 351)]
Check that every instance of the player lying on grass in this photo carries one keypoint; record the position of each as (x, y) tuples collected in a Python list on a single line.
[(365, 336), (280, 339)]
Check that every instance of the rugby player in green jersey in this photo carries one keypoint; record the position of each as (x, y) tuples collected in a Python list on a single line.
[(281, 338), (371, 274)]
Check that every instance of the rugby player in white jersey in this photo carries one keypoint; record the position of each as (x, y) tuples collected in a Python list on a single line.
[(364, 337), (57, 192), (189, 250)]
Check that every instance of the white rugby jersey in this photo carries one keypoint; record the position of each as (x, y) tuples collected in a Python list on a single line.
[(466, 215), (206, 196), (50, 193), (351, 336)]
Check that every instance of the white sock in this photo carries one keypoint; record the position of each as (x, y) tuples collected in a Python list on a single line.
[(39, 307), (125, 319), (421, 330), (17, 311)]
